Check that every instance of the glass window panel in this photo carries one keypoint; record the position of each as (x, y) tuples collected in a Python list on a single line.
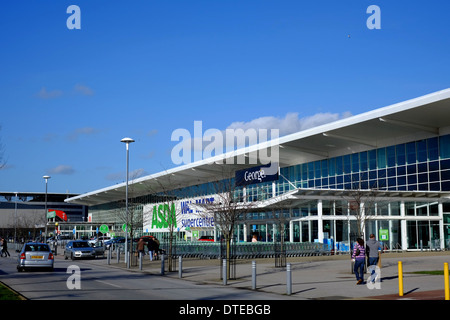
[(423, 186), (401, 170), (395, 208), (421, 150), (445, 164), (317, 169), (433, 165), (445, 186), (355, 162), (339, 166), (304, 171), (311, 170), (444, 146), (401, 181), (390, 155), (372, 159), (332, 167), (445, 175), (434, 176), (381, 158), (411, 152), (412, 179), (391, 172), (433, 150), (422, 167), (423, 177), (324, 165), (363, 161), (412, 168), (401, 155), (347, 164)]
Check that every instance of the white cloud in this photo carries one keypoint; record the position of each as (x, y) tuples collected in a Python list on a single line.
[(62, 169), (75, 134), (83, 90), (291, 123), (44, 94), (190, 148), (121, 176)]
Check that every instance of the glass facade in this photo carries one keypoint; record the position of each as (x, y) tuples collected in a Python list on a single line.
[(422, 165)]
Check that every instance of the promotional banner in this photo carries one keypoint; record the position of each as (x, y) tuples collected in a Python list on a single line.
[(182, 214)]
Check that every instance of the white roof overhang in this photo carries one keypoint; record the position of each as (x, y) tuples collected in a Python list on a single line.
[(410, 120)]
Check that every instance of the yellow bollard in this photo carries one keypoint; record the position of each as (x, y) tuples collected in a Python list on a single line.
[(447, 294), (400, 279)]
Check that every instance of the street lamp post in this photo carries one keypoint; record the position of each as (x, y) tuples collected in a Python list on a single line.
[(127, 141), (15, 219), (45, 217)]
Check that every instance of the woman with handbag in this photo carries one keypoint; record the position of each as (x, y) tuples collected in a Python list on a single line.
[(359, 257)]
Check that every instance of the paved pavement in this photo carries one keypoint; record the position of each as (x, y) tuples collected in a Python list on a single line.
[(318, 278)]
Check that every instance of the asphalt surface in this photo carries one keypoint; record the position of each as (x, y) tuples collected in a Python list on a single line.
[(315, 277)]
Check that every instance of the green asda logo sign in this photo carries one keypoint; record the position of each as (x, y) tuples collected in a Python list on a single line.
[(164, 216)]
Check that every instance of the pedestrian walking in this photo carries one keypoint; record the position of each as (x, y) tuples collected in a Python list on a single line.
[(372, 250), (359, 258), (152, 247), (5, 247), (141, 246)]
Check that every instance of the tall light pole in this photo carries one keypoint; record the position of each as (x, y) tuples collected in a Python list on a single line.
[(127, 141), (45, 217), (15, 219)]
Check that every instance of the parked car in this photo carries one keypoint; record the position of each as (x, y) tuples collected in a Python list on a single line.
[(116, 240), (206, 238), (35, 255), (81, 249), (101, 239)]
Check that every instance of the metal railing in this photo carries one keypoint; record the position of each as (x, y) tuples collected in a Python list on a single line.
[(244, 250)]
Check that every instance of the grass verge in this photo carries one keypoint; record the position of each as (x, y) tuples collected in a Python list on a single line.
[(8, 294)]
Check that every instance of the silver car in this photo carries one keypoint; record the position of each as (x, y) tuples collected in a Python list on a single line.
[(35, 255), (78, 249)]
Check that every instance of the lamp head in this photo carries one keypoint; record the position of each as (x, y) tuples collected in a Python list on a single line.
[(127, 140)]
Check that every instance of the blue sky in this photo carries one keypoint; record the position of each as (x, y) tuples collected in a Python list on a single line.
[(142, 69)]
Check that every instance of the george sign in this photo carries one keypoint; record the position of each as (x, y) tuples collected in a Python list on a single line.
[(257, 174), (384, 234)]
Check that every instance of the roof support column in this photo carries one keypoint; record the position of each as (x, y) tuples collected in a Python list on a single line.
[(291, 231), (319, 221), (441, 225), (404, 239)]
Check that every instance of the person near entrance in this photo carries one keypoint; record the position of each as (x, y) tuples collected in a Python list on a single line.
[(359, 256), (372, 247)]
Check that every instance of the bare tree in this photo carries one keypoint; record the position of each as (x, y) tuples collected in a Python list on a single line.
[(362, 205), (164, 213), (229, 207)]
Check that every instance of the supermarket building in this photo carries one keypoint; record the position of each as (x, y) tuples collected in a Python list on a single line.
[(397, 158)]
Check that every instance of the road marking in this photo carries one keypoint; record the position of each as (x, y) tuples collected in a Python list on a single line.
[(114, 285)]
